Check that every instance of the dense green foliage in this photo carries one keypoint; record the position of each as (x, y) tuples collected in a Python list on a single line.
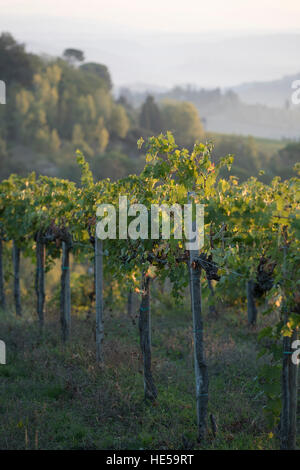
[(244, 224)]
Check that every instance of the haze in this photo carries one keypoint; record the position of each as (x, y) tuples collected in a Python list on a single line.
[(166, 42)]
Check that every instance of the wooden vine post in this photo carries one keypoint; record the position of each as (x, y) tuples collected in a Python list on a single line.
[(212, 305), (65, 294), (201, 372), (16, 264), (251, 307), (2, 288), (288, 432), (293, 386), (130, 303), (145, 338), (40, 277), (99, 297)]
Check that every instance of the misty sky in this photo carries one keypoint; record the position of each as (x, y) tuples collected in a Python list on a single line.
[(169, 15), (166, 42)]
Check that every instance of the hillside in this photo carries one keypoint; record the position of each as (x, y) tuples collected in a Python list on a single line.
[(226, 112), (275, 93)]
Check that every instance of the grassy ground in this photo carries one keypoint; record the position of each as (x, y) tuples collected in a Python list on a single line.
[(56, 397)]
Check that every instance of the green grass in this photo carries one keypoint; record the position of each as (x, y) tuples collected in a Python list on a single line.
[(267, 146), (57, 397)]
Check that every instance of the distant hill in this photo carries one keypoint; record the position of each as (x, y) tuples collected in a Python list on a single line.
[(276, 93), (226, 112)]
